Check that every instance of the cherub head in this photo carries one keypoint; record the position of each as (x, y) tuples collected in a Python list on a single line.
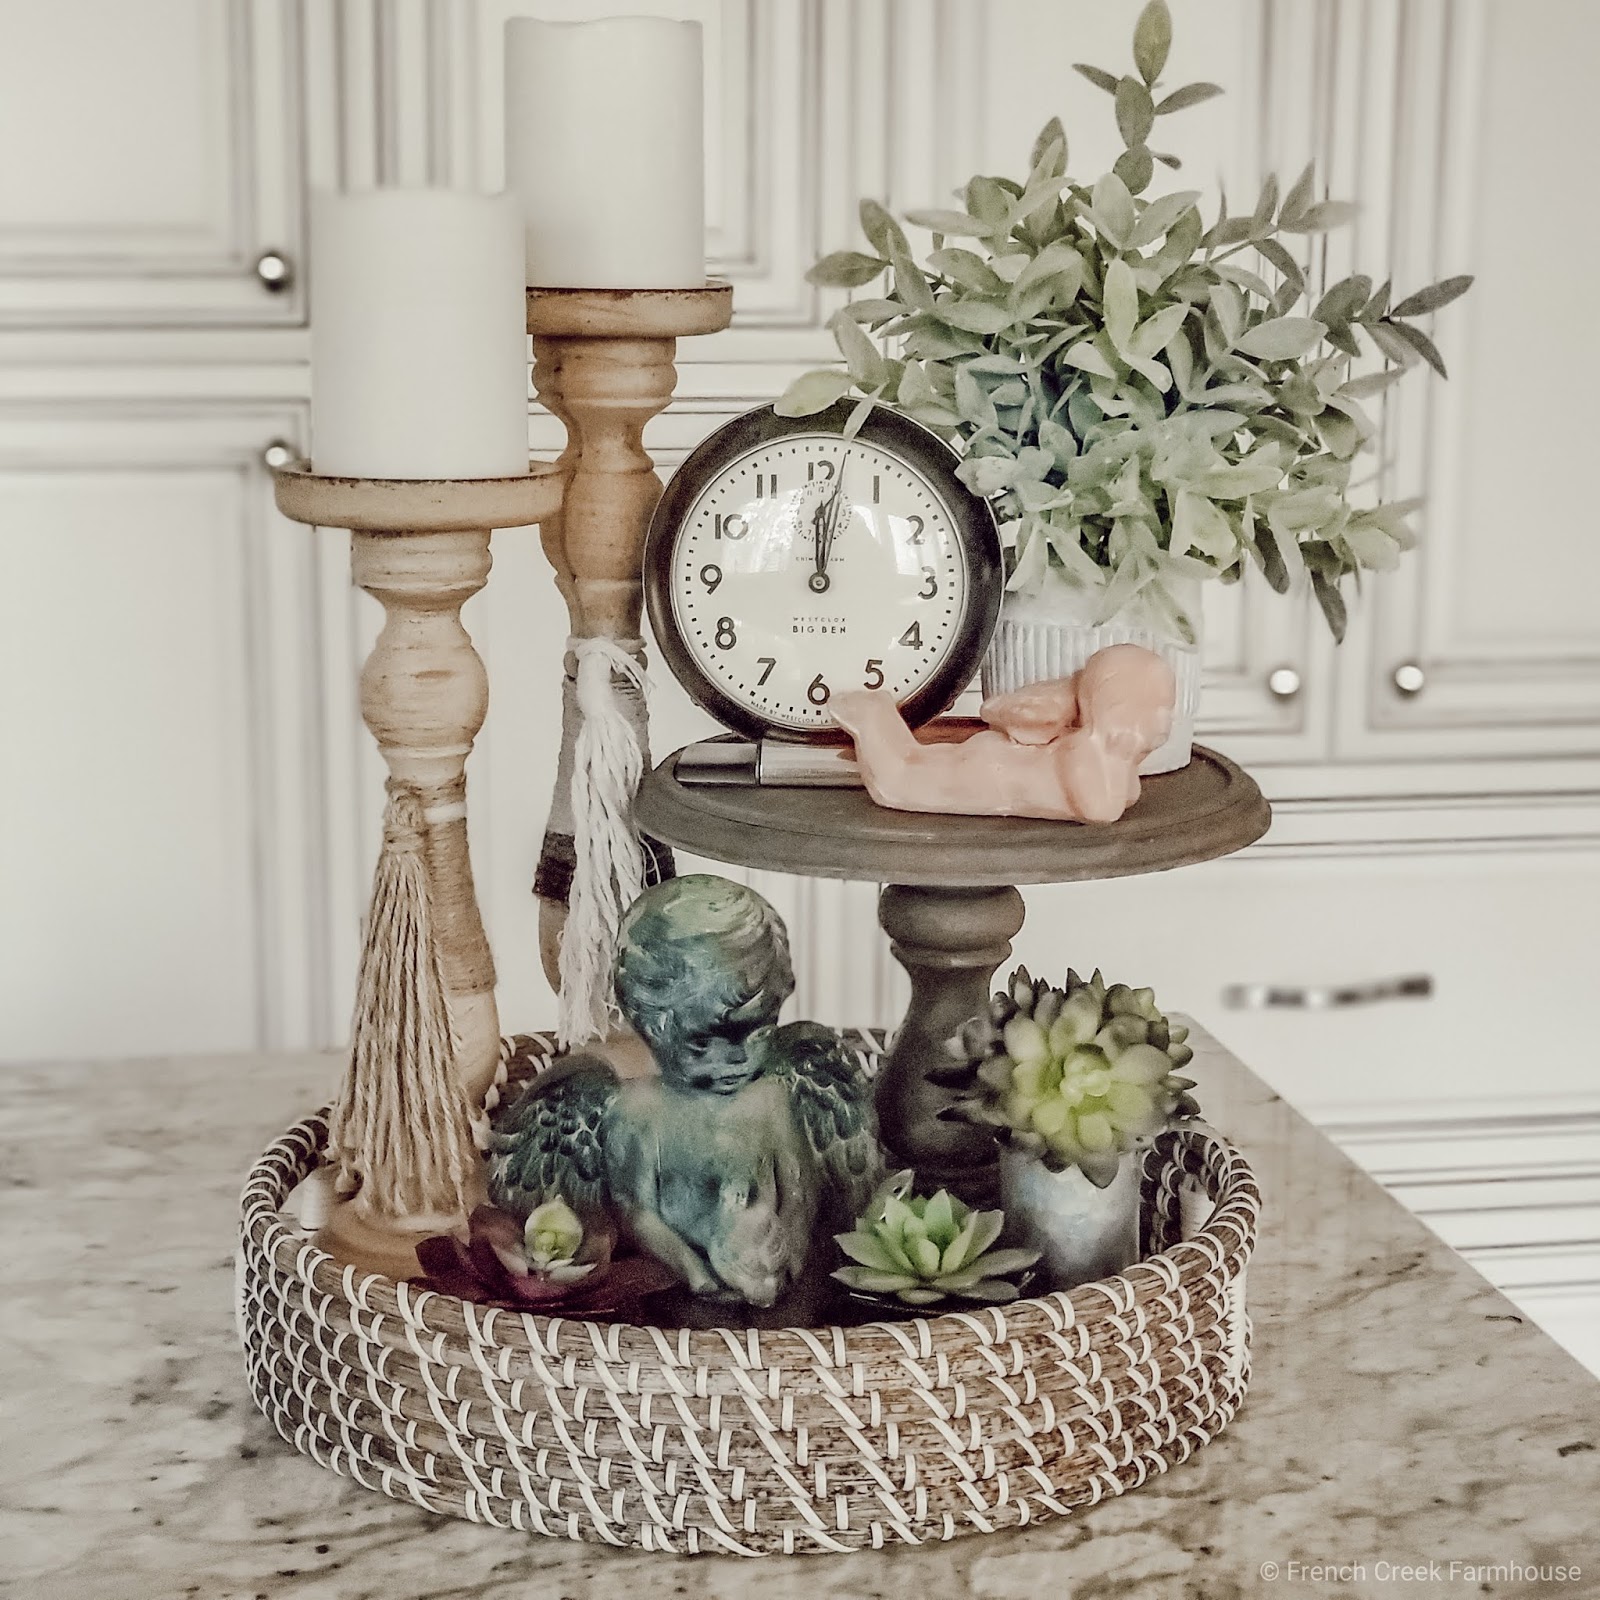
[(702, 964)]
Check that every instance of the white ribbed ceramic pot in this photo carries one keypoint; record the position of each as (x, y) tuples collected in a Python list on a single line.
[(1081, 1232), (1051, 635)]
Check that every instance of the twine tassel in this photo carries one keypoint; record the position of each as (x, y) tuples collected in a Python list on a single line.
[(608, 764), (401, 1129)]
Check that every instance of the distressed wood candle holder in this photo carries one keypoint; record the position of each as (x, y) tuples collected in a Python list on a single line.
[(421, 548), (603, 364)]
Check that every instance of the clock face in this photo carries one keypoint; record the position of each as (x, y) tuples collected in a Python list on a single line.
[(804, 563)]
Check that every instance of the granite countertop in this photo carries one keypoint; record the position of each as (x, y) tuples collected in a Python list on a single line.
[(1403, 1416)]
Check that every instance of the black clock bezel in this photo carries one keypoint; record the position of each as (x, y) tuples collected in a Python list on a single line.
[(920, 448)]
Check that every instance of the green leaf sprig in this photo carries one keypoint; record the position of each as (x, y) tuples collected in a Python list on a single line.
[(1144, 396)]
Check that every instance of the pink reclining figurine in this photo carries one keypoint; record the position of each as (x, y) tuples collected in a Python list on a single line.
[(1068, 749)]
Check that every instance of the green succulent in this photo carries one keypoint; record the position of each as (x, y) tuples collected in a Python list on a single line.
[(923, 1249), (1145, 395), (1075, 1076), (552, 1237)]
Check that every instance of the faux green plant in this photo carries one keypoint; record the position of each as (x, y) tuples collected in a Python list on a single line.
[(921, 1249), (1077, 1076), (1145, 396)]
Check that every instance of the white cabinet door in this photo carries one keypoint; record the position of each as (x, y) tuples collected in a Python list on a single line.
[(163, 832), (1480, 129), (153, 153)]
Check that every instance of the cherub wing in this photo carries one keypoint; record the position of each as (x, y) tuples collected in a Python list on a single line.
[(832, 1096), (548, 1140)]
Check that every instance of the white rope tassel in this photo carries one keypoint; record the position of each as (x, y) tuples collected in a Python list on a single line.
[(609, 875)]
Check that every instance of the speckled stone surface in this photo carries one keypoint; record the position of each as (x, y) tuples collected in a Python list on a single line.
[(1401, 1411)]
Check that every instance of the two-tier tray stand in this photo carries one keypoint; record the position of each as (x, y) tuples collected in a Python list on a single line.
[(950, 905)]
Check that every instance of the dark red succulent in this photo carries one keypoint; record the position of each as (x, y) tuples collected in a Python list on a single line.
[(492, 1268)]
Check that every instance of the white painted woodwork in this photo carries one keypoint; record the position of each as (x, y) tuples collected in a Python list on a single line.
[(1491, 112), (1500, 930), (153, 153), (165, 838)]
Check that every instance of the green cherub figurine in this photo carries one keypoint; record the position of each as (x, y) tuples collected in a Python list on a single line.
[(753, 1143)]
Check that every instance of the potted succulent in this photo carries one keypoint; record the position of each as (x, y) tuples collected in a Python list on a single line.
[(1074, 1081), (1143, 394), (921, 1249)]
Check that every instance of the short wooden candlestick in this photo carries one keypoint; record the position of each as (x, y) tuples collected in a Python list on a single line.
[(422, 549), (603, 364)]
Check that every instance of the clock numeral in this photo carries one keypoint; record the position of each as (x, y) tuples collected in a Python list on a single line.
[(874, 677), (732, 525), (726, 638), (766, 663), (913, 636), (917, 526), (877, 489), (930, 585), (711, 577), (766, 485), (822, 469), (817, 692)]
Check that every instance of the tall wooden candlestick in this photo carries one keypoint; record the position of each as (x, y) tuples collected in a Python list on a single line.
[(422, 549), (603, 364)]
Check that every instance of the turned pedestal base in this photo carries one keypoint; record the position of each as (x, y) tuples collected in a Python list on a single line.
[(949, 939)]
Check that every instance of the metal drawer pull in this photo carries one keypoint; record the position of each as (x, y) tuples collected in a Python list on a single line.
[(1409, 679), (1284, 682), (1325, 997), (275, 271)]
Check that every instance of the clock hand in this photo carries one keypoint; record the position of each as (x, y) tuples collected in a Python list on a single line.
[(822, 538), (825, 524)]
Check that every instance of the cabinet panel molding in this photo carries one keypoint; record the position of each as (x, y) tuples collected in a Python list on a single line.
[(1474, 111), (171, 148), (167, 663)]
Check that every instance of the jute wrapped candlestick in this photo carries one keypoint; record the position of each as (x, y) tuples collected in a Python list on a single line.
[(426, 1031), (603, 364)]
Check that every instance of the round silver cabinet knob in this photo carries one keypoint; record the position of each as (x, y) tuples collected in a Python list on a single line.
[(1284, 682), (275, 271), (278, 454), (1409, 678)]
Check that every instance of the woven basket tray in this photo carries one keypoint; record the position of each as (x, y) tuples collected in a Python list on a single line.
[(754, 1443)]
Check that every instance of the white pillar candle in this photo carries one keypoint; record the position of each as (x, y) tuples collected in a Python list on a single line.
[(418, 335), (605, 150)]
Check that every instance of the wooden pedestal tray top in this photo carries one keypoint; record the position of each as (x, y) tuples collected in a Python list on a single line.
[(1207, 809), (951, 907)]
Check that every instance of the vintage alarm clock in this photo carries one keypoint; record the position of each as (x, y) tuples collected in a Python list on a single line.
[(786, 562)]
